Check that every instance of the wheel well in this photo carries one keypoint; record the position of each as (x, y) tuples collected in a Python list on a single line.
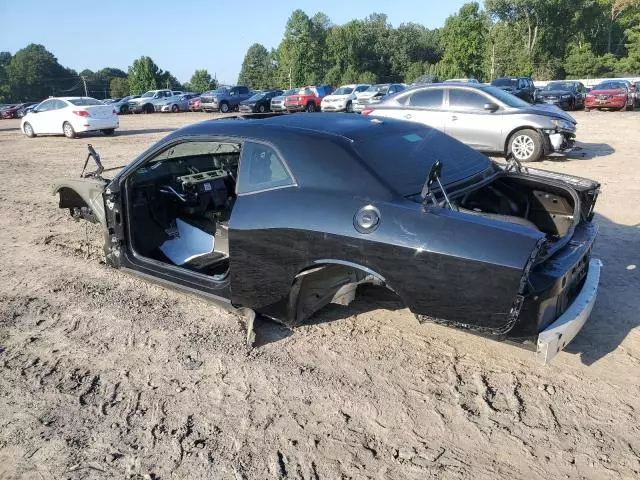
[(513, 132)]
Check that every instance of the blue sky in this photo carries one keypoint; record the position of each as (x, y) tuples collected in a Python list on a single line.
[(181, 36)]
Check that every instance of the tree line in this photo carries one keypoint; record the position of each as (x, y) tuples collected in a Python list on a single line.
[(34, 73), (546, 39)]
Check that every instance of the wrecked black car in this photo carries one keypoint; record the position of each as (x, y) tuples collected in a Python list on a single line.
[(281, 216)]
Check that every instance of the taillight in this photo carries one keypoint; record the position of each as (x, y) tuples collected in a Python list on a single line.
[(367, 111), (81, 113)]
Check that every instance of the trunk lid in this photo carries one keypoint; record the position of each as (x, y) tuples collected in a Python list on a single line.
[(100, 111)]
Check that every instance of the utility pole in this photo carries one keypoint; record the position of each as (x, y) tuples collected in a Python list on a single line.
[(84, 82)]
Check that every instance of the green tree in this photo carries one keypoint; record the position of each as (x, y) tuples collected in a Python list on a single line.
[(119, 87), (34, 73), (5, 59), (257, 68), (143, 75), (201, 81), (464, 40), (297, 60)]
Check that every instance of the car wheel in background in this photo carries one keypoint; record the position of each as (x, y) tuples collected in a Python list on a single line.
[(28, 130), (68, 130), (311, 107), (629, 108), (224, 107), (148, 108), (108, 131), (525, 145), (174, 108), (349, 107), (262, 109)]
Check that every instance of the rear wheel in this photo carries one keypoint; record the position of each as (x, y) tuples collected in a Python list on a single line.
[(68, 130), (174, 108), (526, 145), (311, 107), (108, 131), (349, 107), (262, 108), (28, 130)]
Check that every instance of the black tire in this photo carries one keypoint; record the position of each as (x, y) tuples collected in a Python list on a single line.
[(262, 108), (587, 109), (148, 108), (68, 130), (175, 108), (311, 107), (525, 145), (108, 131), (224, 107), (349, 107), (28, 130), (629, 108)]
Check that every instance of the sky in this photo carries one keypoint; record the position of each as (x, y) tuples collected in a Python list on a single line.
[(181, 36)]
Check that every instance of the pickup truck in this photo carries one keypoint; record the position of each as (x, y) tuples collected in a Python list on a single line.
[(307, 98), (147, 101), (224, 99)]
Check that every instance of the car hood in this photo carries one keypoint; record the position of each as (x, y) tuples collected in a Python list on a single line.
[(371, 94), (248, 102), (506, 88), (547, 111), (338, 97), (555, 93)]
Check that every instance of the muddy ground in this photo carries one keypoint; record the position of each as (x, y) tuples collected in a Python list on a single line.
[(103, 375)]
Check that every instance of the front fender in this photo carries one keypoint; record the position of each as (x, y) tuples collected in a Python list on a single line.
[(82, 192)]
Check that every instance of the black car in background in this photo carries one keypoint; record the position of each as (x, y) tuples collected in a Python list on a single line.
[(522, 87), (566, 94), (260, 102)]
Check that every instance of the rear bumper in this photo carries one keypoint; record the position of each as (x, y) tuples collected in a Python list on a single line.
[(88, 124), (557, 335)]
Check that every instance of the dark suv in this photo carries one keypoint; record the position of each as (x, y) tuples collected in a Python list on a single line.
[(522, 87)]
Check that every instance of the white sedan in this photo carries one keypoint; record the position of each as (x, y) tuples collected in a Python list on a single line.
[(69, 116)]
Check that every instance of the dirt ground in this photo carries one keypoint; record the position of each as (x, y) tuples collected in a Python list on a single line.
[(103, 375)]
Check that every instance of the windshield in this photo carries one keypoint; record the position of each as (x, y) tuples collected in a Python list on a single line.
[(220, 90), (414, 148), (343, 91), (378, 88), (305, 91), (148, 94), (257, 97), (504, 82), (506, 97), (610, 86), (83, 102), (559, 86)]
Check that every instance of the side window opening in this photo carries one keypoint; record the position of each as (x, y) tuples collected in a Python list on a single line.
[(261, 168), (179, 204)]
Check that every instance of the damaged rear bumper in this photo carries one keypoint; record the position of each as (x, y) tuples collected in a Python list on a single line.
[(557, 335)]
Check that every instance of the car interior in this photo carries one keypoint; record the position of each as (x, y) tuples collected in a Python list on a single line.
[(180, 204)]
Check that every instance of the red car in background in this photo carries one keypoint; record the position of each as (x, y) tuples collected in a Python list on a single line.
[(307, 98), (194, 104), (611, 94)]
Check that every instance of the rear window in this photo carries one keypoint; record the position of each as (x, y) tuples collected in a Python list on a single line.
[(403, 153), (85, 102)]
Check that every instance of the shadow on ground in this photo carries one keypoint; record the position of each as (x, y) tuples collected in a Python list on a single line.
[(589, 151)]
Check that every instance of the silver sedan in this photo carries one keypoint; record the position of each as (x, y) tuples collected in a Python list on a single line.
[(176, 103), (485, 118)]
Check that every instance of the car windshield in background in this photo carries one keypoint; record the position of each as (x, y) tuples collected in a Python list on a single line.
[(221, 90), (506, 97), (559, 86), (378, 88), (504, 82), (257, 96), (414, 149), (343, 91), (147, 95), (610, 86), (305, 91), (85, 102)]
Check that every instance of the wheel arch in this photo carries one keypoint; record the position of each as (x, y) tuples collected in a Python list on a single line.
[(545, 141), (85, 195)]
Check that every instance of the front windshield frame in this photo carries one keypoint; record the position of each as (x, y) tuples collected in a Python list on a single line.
[(505, 97)]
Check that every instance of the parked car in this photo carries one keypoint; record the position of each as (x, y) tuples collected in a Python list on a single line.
[(4, 107), (521, 87), (122, 105), (177, 103), (277, 103), (26, 109), (637, 93), (610, 94), (11, 111), (342, 99), (427, 79), (375, 94), (281, 216), (194, 104), (566, 94), (259, 102), (307, 99), (70, 116), (147, 101), (485, 118), (224, 99)]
